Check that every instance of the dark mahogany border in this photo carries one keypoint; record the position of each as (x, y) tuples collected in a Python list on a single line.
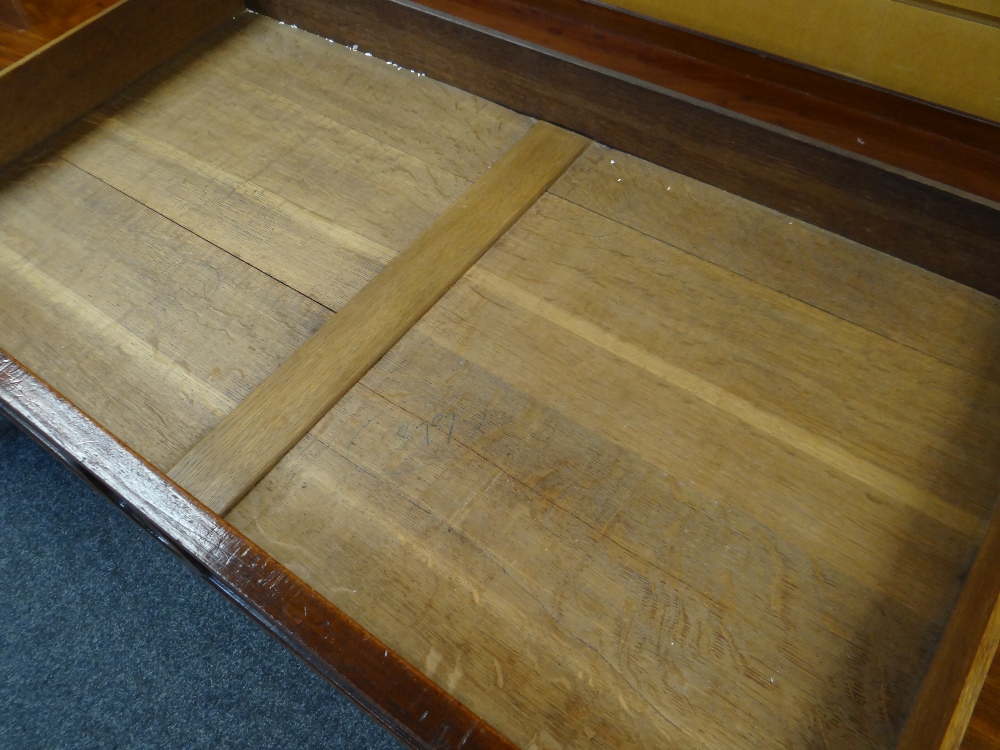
[(943, 232), (416, 710), (911, 135)]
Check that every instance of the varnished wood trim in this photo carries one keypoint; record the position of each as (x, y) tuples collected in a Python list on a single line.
[(419, 712), (920, 138), (984, 727), (919, 223), (251, 439), (948, 695), (26, 26), (57, 83)]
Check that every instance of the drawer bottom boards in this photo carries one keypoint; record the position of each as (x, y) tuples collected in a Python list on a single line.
[(659, 467)]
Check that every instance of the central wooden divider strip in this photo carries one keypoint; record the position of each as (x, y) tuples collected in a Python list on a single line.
[(221, 468)]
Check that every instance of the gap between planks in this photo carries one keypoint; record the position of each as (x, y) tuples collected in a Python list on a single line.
[(221, 468)]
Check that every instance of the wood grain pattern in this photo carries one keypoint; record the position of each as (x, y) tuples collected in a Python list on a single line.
[(149, 307), (403, 700), (822, 269), (609, 494), (56, 84), (984, 727), (300, 168), (922, 139), (137, 316), (948, 695), (925, 226), (254, 436), (133, 317), (26, 25)]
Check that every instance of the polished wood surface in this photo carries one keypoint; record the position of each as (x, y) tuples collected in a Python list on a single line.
[(365, 669), (252, 438), (984, 728), (940, 58), (53, 86), (890, 213), (26, 25), (921, 139)]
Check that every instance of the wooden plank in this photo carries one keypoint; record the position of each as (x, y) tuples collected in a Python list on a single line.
[(919, 138), (931, 228), (932, 314), (605, 492), (368, 672), (949, 693), (317, 168), (152, 328), (57, 83), (225, 464)]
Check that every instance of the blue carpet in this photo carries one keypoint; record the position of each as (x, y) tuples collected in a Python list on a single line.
[(108, 641)]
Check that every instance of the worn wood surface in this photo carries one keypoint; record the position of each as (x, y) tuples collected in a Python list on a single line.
[(26, 25), (917, 223), (927, 141), (218, 177), (51, 87), (822, 269), (317, 168), (675, 468), (610, 494), (364, 668), (137, 320), (252, 438)]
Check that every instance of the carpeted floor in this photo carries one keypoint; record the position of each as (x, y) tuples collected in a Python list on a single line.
[(108, 641)]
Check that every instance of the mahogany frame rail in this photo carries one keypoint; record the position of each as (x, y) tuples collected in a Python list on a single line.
[(899, 175)]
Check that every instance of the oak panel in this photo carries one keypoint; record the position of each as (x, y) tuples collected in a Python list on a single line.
[(153, 330), (889, 212), (263, 165), (610, 494), (251, 439), (934, 315)]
